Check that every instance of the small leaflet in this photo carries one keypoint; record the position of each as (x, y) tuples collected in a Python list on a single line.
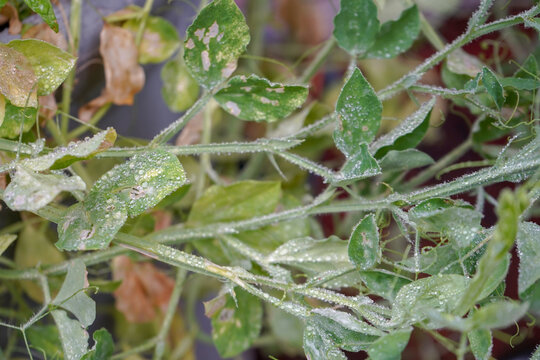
[(356, 25), (396, 37), (180, 89), (493, 86), (359, 166), (363, 248), (214, 42), (159, 41), (257, 99), (529, 266), (14, 117), (359, 113), (44, 9)]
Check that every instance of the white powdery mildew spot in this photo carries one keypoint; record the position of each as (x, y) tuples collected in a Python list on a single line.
[(190, 44), (280, 90), (199, 33), (268, 101), (228, 69), (233, 108), (205, 57), (246, 88)]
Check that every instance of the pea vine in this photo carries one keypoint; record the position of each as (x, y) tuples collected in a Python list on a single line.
[(403, 257)]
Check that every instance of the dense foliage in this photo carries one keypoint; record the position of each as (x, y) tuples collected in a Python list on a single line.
[(241, 217)]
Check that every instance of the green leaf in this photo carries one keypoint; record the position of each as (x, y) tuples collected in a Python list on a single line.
[(439, 293), (236, 322), (14, 117), (529, 266), (140, 183), (180, 89), (103, 348), (536, 354), (44, 9), (82, 229), (358, 166), (2, 109), (286, 328), (407, 134), (18, 80), (404, 160), (363, 248), (31, 191), (238, 201), (460, 62), (309, 253), (257, 99), (46, 339), (159, 41), (498, 314), (383, 283), (328, 330), (359, 112), (481, 343), (356, 25), (458, 222), (508, 211), (215, 40), (31, 249), (529, 69), (73, 336), (520, 83), (396, 36), (319, 346), (5, 241), (72, 297), (493, 86), (63, 156), (51, 64), (389, 347)]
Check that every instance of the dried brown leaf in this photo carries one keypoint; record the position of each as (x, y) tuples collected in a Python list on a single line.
[(9, 13), (44, 32), (124, 77), (163, 219), (144, 288)]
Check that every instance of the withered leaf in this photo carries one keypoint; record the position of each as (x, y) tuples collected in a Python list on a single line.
[(9, 13), (124, 77), (144, 288), (44, 32)]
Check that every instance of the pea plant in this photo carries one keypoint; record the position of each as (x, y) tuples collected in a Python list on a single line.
[(238, 218)]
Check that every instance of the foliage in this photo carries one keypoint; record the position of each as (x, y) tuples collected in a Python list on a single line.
[(400, 258)]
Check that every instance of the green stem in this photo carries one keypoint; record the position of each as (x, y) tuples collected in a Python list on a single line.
[(317, 62), (67, 89), (91, 123), (449, 158), (471, 34), (140, 31), (171, 310), (176, 126)]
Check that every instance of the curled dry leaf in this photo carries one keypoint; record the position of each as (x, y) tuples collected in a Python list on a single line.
[(9, 13), (309, 22), (124, 77), (44, 32), (144, 288), (3, 181)]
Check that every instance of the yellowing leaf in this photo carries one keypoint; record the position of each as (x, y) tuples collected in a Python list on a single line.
[(17, 78)]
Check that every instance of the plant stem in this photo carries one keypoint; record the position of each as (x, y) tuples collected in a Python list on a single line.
[(140, 31), (67, 89), (317, 61), (171, 310), (177, 125)]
